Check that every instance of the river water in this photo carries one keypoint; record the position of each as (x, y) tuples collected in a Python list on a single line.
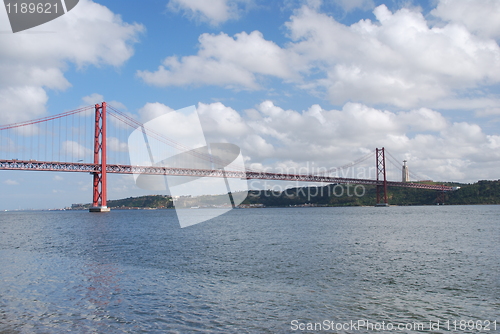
[(252, 271)]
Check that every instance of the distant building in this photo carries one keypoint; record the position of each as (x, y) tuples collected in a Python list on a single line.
[(406, 172)]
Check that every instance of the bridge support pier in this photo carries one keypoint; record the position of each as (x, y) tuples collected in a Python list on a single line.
[(441, 197), (99, 209), (99, 185), (381, 183)]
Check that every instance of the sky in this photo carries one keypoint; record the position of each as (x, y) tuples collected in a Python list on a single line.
[(292, 82)]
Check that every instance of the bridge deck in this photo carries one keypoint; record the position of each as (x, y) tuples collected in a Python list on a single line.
[(32, 165)]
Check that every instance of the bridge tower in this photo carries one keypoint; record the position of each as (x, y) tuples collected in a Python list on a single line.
[(381, 173), (441, 197), (99, 186)]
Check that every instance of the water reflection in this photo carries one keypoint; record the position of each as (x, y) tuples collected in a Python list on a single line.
[(100, 292)]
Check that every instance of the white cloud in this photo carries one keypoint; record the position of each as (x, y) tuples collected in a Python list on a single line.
[(436, 148), (179, 129), (96, 98), (214, 12), (58, 178), (488, 111), (93, 99), (423, 119), (33, 62), (224, 61), (117, 105), (153, 110), (482, 17), (74, 151), (20, 103), (10, 182), (399, 59), (257, 147), (220, 122), (114, 144)]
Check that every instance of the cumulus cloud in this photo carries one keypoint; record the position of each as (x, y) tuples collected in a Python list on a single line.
[(277, 138), (488, 111), (33, 62), (114, 144), (440, 150), (220, 122), (96, 98), (214, 12), (224, 61), (73, 150), (20, 103), (93, 99), (482, 18), (153, 110), (257, 147), (400, 59)]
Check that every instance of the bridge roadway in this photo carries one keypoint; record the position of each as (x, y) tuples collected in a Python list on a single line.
[(33, 165)]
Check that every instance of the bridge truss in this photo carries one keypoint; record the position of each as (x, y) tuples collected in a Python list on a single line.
[(31, 165)]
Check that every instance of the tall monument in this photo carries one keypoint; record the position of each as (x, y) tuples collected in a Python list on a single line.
[(406, 172)]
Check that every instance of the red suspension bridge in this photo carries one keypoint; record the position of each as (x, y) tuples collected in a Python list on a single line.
[(68, 143)]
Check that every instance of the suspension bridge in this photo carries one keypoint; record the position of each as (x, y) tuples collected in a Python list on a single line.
[(69, 142)]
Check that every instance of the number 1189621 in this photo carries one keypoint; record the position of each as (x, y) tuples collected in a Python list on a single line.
[(471, 325), (30, 7)]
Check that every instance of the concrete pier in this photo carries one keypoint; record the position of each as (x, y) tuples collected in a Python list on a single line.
[(99, 209)]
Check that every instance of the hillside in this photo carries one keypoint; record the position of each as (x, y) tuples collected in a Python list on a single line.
[(482, 192), (151, 201)]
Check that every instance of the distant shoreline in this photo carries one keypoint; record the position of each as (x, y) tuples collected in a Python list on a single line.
[(479, 193)]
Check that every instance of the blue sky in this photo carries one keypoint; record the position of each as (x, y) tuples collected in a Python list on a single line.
[(304, 81)]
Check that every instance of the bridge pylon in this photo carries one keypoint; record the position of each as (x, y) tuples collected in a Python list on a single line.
[(99, 185), (381, 178), (441, 197)]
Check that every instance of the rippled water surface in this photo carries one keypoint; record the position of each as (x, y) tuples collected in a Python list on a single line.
[(249, 271)]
